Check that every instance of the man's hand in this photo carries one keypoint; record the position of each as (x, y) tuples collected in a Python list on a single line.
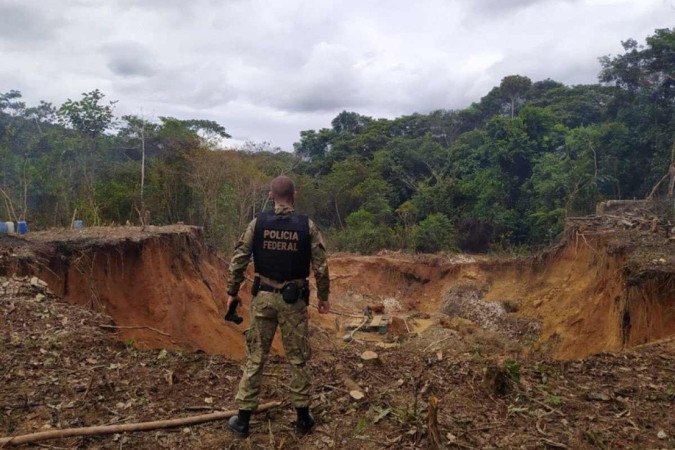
[(324, 307), (232, 316)]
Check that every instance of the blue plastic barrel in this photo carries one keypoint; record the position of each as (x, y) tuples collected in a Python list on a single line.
[(77, 224), (22, 227), (3, 228)]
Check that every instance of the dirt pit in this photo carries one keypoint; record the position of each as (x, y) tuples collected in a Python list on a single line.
[(128, 327), (604, 288)]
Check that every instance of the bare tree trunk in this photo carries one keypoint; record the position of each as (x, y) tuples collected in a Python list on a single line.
[(337, 211), (143, 165), (24, 213)]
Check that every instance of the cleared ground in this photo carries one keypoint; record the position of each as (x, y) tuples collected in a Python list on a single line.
[(568, 349)]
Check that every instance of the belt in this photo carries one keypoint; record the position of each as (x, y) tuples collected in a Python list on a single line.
[(268, 288), (270, 285)]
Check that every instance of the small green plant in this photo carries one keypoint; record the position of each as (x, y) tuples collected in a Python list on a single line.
[(554, 400), (476, 354), (361, 425), (512, 370), (129, 343)]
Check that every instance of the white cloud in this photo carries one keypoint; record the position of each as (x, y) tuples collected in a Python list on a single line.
[(267, 69)]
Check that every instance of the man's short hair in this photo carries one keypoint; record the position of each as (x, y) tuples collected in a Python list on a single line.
[(283, 187)]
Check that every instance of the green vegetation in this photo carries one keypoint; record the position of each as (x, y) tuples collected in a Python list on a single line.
[(500, 174)]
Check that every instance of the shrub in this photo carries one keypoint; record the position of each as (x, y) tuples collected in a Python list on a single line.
[(362, 235), (435, 233)]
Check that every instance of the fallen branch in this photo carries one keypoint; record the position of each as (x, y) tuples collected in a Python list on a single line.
[(437, 342), (553, 444), (124, 428), (349, 337), (139, 327)]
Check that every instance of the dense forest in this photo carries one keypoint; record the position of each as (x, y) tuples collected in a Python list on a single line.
[(501, 174)]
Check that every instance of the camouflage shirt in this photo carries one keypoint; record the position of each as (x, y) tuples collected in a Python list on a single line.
[(242, 256)]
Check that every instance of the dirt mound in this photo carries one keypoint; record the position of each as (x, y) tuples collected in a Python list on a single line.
[(162, 287), (465, 300)]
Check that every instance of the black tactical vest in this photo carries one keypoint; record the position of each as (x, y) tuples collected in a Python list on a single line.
[(281, 246)]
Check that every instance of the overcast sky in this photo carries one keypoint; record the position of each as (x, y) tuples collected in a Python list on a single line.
[(268, 69)]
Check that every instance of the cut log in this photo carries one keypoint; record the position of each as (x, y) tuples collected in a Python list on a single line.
[(356, 395), (370, 357), (355, 391)]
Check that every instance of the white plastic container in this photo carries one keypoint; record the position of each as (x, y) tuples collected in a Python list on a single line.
[(10, 227)]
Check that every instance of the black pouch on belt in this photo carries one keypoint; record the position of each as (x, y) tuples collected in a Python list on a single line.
[(255, 287), (290, 293), (304, 292)]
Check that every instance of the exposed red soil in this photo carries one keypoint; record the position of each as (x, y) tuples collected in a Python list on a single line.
[(59, 368), (162, 286), (594, 292)]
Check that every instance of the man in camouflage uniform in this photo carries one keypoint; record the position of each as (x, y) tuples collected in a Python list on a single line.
[(283, 245)]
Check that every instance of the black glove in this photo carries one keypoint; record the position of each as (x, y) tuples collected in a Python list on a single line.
[(231, 315)]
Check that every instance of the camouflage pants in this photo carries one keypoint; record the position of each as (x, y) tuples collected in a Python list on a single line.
[(268, 310)]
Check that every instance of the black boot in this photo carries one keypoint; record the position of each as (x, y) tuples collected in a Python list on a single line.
[(305, 421), (239, 423)]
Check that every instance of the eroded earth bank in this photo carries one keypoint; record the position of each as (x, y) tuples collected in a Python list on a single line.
[(569, 348)]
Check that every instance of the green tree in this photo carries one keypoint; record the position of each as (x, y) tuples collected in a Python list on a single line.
[(435, 233), (513, 88), (89, 115)]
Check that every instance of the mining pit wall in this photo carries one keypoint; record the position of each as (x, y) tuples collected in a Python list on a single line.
[(163, 287)]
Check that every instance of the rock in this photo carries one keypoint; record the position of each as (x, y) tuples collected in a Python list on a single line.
[(36, 282), (39, 297), (662, 435)]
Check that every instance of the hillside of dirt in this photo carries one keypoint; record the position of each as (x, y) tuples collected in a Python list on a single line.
[(570, 348)]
